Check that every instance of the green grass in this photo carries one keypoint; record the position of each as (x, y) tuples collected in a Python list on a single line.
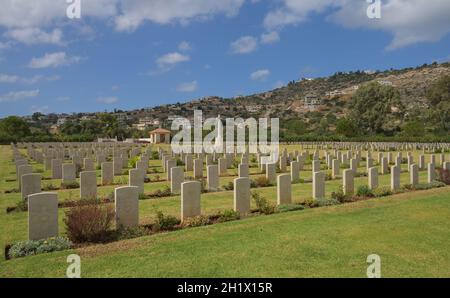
[(409, 232)]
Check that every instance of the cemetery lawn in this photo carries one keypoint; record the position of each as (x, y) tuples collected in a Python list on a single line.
[(410, 232)]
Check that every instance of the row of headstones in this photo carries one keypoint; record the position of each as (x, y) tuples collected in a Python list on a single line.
[(43, 207)]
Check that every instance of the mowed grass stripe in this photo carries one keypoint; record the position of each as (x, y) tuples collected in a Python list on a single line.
[(409, 231)]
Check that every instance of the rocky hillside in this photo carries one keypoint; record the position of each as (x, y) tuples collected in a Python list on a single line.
[(309, 98)]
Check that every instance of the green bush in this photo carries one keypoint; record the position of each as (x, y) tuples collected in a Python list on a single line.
[(165, 222), (196, 221), (228, 186), (133, 161), (22, 205), (228, 215), (262, 204), (340, 196), (364, 191), (322, 202), (70, 185), (382, 192), (34, 247), (130, 233), (290, 207), (160, 193)]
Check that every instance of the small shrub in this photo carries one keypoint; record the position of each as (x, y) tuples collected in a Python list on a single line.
[(154, 155), (196, 221), (290, 207), (262, 182), (130, 233), (70, 185), (322, 202), (34, 247), (228, 186), (180, 163), (165, 222), (12, 190), (364, 191), (160, 193), (133, 161), (340, 196), (382, 192), (228, 215), (49, 187), (262, 204), (89, 222), (22, 205)]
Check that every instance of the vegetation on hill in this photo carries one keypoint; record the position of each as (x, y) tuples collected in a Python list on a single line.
[(411, 104)]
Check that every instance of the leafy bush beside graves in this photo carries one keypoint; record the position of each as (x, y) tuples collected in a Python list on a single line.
[(34, 247), (290, 207), (196, 221), (70, 185), (364, 191), (340, 196), (89, 222), (228, 186), (165, 222), (49, 187), (160, 193), (382, 192), (262, 204), (262, 182), (228, 215)]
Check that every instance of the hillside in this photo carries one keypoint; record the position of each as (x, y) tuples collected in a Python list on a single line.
[(324, 95)]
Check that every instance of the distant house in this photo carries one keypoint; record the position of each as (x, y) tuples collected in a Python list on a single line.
[(61, 121), (160, 136), (53, 129), (311, 102)]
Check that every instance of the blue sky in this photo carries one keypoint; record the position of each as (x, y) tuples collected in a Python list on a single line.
[(136, 53)]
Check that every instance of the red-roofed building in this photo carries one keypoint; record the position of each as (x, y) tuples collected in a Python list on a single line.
[(160, 136)]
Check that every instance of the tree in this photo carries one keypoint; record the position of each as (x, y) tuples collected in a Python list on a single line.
[(377, 109), (439, 99), (346, 127), (15, 127), (414, 129)]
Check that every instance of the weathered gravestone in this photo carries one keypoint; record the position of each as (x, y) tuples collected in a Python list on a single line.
[(284, 195), (190, 199), (127, 206), (42, 215), (242, 195)]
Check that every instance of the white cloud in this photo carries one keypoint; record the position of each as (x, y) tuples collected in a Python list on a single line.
[(168, 61), (135, 12), (107, 100), (115, 88), (4, 78), (18, 95), (53, 60), (184, 46), (187, 87), (244, 45), (32, 36), (409, 22), (271, 37), (260, 75)]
